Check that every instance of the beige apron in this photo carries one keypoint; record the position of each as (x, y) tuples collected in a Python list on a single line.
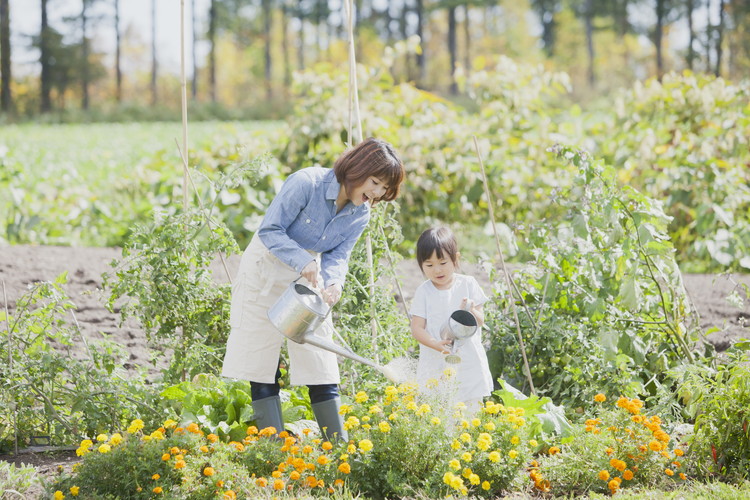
[(254, 344)]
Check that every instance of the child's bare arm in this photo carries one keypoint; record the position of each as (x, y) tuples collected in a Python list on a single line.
[(420, 333)]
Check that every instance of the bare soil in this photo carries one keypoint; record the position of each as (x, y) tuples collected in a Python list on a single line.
[(21, 266)]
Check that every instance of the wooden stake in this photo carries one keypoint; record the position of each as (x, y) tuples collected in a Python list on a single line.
[(508, 279), (10, 371), (184, 108)]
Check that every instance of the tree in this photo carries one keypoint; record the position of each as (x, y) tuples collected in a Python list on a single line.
[(154, 62), (85, 54), (266, 6), (452, 46), (5, 96), (44, 59), (719, 39), (546, 10), (212, 24), (421, 62), (118, 69), (194, 88), (689, 10)]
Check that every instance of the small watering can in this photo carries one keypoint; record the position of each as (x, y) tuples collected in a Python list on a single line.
[(460, 325), (299, 311)]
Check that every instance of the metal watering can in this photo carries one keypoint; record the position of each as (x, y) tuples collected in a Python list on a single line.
[(299, 311), (459, 326)]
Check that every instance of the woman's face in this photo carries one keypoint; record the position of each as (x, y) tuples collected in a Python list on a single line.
[(371, 190)]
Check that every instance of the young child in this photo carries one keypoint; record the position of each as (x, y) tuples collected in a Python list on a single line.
[(444, 292)]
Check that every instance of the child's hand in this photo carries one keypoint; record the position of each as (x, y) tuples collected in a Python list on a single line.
[(468, 305), (444, 346)]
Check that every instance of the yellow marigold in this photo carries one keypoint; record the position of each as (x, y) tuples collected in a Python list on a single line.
[(294, 475), (351, 423), (665, 454), (276, 474), (327, 446), (366, 427), (618, 464), (230, 495), (554, 450), (483, 445), (105, 448), (512, 454), (252, 430), (456, 444), (204, 448), (654, 445), (278, 485), (166, 457), (174, 450), (209, 471), (311, 481), (604, 475), (609, 451), (135, 426), (338, 483), (466, 456), (193, 427), (268, 431), (486, 485), (669, 472), (157, 490), (449, 372), (74, 490), (102, 437), (474, 479), (59, 495), (179, 464), (219, 483), (465, 437), (627, 474), (157, 434), (262, 482), (360, 397), (533, 443), (613, 485), (323, 460), (345, 468), (384, 426), (622, 402), (435, 421), (515, 440), (156, 477), (238, 446), (600, 398), (467, 472), (678, 452), (494, 456), (454, 464)]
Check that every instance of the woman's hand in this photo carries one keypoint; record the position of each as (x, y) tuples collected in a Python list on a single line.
[(332, 294), (310, 273)]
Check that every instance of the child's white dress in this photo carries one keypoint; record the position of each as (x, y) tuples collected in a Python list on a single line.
[(473, 380)]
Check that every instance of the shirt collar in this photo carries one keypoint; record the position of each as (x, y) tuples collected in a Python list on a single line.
[(333, 188)]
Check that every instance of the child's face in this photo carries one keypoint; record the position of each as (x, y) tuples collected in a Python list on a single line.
[(439, 271)]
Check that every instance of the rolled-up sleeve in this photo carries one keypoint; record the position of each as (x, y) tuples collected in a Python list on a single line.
[(284, 209), (335, 262)]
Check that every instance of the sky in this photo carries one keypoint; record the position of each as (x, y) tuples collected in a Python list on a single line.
[(134, 15)]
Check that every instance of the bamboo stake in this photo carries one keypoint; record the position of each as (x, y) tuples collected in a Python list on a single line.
[(508, 279), (10, 371), (184, 108)]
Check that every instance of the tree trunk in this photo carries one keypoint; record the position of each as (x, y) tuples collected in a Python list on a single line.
[(44, 59), (421, 63), (212, 51), (690, 7), (84, 57), (194, 21), (301, 38), (588, 17), (467, 40), (118, 45), (266, 5), (658, 35), (719, 39), (285, 47), (154, 64), (452, 47), (5, 96)]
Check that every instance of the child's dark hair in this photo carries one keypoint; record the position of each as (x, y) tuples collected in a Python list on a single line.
[(371, 157), (437, 240)]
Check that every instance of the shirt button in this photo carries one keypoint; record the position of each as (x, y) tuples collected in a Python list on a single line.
[(307, 221)]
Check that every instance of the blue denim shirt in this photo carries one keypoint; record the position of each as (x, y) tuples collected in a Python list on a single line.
[(303, 217)]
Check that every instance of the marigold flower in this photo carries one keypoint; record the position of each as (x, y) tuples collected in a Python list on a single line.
[(230, 495), (59, 495), (512, 454), (627, 474), (105, 448), (600, 398), (486, 485), (435, 421), (156, 477), (323, 460), (494, 456), (135, 426), (669, 472), (384, 427), (456, 444), (338, 483), (365, 445), (276, 474), (74, 490), (618, 464), (474, 479), (268, 431), (466, 456), (654, 445), (193, 427), (262, 482), (209, 471), (683, 476), (327, 446), (554, 450), (465, 437), (102, 437), (312, 481), (179, 464), (157, 489), (678, 452), (604, 475), (533, 443), (345, 468), (360, 397), (613, 485), (294, 475)]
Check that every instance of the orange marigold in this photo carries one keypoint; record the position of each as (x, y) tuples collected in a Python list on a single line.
[(554, 450), (678, 452), (618, 464), (600, 398), (209, 471), (603, 475), (627, 474), (262, 482), (345, 468), (278, 484), (654, 445), (669, 472), (613, 485), (327, 446), (294, 475), (230, 495), (683, 476)]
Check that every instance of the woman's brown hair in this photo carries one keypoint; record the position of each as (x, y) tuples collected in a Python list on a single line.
[(370, 158)]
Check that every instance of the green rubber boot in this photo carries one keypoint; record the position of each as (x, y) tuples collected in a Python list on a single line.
[(268, 413), (329, 420)]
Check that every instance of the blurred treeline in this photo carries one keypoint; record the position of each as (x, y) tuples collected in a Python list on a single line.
[(245, 52)]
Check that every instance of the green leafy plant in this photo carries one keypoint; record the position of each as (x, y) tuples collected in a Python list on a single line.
[(47, 389), (18, 481)]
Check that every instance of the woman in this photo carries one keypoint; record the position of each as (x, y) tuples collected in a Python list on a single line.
[(318, 213)]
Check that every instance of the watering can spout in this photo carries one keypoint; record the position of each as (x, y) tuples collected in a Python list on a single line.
[(329, 345)]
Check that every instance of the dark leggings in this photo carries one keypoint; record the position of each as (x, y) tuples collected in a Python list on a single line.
[(318, 393)]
